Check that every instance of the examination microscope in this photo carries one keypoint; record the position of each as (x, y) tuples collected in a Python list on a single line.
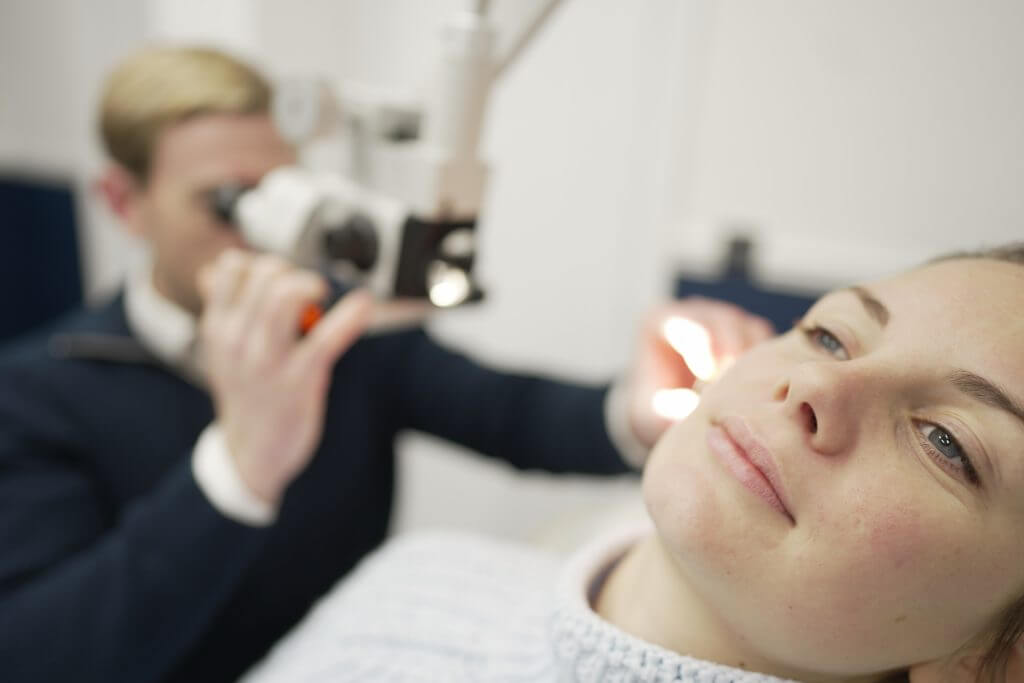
[(402, 222)]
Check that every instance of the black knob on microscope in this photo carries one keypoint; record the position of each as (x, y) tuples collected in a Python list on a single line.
[(354, 240)]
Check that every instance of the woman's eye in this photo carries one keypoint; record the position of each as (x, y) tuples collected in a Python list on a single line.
[(947, 450), (819, 336)]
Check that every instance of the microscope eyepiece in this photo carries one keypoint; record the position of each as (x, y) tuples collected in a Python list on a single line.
[(222, 199)]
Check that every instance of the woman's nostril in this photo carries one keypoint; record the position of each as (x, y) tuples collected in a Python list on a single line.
[(810, 417)]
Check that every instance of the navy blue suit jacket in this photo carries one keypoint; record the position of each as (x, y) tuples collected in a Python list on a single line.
[(114, 566)]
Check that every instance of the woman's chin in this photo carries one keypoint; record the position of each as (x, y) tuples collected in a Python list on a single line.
[(706, 519), (683, 500)]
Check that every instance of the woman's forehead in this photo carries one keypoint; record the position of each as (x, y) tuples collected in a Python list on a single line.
[(970, 309), (979, 287)]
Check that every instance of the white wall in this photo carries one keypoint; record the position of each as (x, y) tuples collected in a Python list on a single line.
[(861, 136), (53, 55), (36, 86)]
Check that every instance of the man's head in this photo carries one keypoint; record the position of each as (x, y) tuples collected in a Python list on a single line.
[(176, 123), (848, 496)]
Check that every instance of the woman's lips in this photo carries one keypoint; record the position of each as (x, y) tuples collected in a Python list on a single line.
[(749, 461)]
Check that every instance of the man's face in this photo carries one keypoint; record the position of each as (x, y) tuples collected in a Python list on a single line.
[(888, 527), (190, 159)]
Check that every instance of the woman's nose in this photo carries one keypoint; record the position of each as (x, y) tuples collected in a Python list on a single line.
[(828, 401)]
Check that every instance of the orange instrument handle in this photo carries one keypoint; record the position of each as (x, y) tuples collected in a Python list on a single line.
[(310, 317), (312, 314)]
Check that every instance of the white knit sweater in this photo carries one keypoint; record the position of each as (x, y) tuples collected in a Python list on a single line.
[(452, 608)]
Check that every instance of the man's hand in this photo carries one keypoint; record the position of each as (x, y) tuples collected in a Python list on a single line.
[(269, 384), (710, 334)]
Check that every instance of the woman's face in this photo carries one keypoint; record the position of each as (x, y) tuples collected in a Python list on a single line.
[(849, 497)]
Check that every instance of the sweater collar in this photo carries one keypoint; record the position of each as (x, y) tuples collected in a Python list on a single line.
[(588, 648)]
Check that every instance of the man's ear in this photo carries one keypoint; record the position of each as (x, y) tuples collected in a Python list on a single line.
[(965, 668), (122, 193)]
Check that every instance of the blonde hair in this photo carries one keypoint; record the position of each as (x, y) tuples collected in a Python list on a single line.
[(162, 86)]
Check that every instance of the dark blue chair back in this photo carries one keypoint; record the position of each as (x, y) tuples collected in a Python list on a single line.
[(783, 306), (40, 269)]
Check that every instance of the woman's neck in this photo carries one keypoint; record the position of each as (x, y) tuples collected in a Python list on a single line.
[(647, 596)]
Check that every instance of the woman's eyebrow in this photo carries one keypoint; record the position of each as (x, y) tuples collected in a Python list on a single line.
[(875, 308), (981, 389)]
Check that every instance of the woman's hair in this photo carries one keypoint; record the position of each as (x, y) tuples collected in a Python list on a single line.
[(1009, 625), (1012, 252), (1009, 630), (162, 86)]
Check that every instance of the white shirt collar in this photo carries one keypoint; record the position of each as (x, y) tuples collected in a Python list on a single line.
[(166, 329)]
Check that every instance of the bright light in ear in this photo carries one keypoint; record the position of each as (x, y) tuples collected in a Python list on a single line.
[(691, 341), (674, 404)]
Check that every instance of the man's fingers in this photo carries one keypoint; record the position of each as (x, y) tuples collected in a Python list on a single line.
[(265, 273), (204, 282), (728, 334), (339, 328), (226, 278), (285, 303), (762, 329)]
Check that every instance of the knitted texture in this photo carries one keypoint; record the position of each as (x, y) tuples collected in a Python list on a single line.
[(453, 608), (588, 649)]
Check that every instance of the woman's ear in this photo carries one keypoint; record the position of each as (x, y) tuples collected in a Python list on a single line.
[(122, 193)]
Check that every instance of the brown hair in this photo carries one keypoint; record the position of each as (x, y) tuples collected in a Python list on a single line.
[(1009, 630), (162, 86), (1012, 252)]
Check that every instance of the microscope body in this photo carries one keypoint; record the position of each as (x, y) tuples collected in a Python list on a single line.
[(402, 220), (354, 235)]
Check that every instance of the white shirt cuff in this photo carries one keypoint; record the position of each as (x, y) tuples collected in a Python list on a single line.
[(616, 420), (218, 479)]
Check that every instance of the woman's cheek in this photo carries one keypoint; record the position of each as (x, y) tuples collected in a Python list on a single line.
[(888, 539), (897, 535)]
